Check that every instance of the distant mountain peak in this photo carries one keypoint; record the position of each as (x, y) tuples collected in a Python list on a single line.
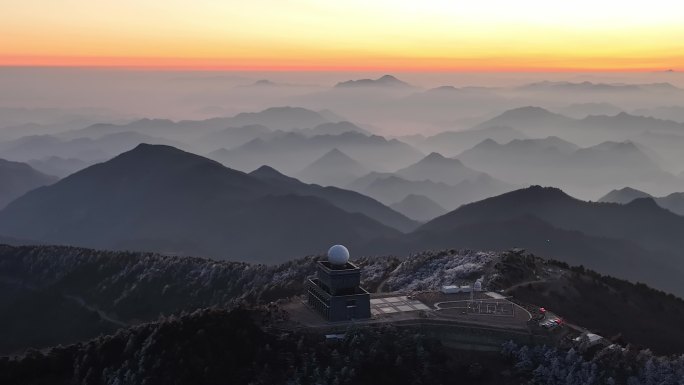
[(383, 81), (527, 112), (437, 159), (623, 195), (335, 155), (388, 78), (434, 156), (538, 193), (334, 168), (630, 190), (144, 148), (264, 82), (419, 207), (267, 171), (626, 145), (337, 128), (489, 142)]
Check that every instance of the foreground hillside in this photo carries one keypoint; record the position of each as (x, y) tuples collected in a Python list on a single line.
[(85, 292), (219, 347), (216, 346)]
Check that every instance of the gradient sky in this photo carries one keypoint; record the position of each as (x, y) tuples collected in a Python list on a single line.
[(345, 35)]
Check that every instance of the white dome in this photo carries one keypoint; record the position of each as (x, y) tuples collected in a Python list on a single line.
[(338, 255)]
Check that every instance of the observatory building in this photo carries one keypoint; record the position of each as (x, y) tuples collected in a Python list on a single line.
[(335, 292)]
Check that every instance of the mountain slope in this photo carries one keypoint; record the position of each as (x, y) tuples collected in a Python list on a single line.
[(162, 199), (389, 189), (335, 168), (347, 200), (437, 168), (232, 137), (83, 148), (335, 128), (292, 152), (280, 118), (618, 257), (582, 110), (530, 120), (538, 122), (587, 171), (58, 166), (673, 202), (451, 143), (638, 241), (642, 221), (419, 207), (18, 178), (623, 196), (275, 118)]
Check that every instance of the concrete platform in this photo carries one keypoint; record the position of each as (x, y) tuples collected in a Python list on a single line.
[(456, 309)]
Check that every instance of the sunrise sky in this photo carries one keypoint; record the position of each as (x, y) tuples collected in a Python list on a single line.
[(410, 35)]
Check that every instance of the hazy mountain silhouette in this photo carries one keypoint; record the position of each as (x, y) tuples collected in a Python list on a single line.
[(232, 137), (18, 178), (270, 84), (557, 162), (390, 189), (163, 199), (625, 123), (85, 148), (280, 118), (446, 181), (275, 118), (673, 202), (538, 122), (347, 200), (419, 207), (335, 128), (16, 122), (387, 81), (451, 143), (292, 152), (519, 152), (331, 116), (335, 168), (616, 155), (587, 86), (57, 166), (437, 168), (624, 196), (675, 113), (667, 146), (449, 107), (530, 120), (582, 110)]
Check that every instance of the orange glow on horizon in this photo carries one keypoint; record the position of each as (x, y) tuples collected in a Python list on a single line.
[(355, 35), (367, 64)]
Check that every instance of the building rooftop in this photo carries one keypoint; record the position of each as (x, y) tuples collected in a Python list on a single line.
[(346, 266)]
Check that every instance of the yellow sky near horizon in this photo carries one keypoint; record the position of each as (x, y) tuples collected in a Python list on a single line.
[(345, 35)]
